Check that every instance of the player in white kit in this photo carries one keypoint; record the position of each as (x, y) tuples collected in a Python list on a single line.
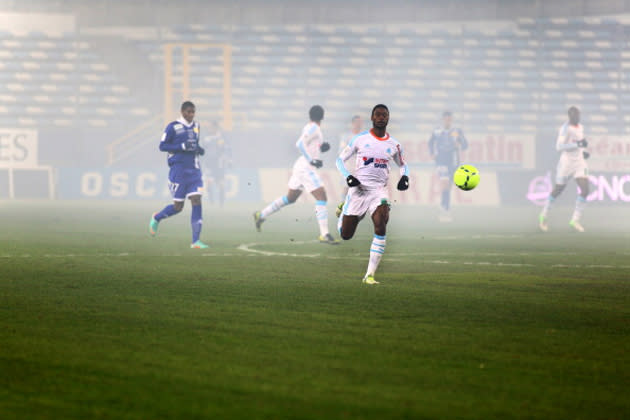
[(356, 127), (305, 176), (374, 150), (572, 164)]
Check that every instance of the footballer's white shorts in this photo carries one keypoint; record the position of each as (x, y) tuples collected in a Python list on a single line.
[(570, 168), (305, 178), (361, 200)]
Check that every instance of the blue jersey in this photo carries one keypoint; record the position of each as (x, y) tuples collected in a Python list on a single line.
[(445, 144), (175, 136), (184, 165)]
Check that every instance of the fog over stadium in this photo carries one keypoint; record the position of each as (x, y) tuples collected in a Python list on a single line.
[(91, 85), (91, 91)]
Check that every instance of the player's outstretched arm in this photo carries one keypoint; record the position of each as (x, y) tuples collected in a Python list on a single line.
[(561, 143), (318, 163), (350, 179), (171, 148), (403, 183), (166, 144), (584, 144), (341, 166), (345, 154), (566, 147), (302, 148)]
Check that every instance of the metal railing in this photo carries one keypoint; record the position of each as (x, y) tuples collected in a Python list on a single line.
[(128, 144)]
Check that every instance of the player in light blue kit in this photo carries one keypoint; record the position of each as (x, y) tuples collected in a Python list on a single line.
[(305, 177), (181, 141), (368, 192), (444, 147)]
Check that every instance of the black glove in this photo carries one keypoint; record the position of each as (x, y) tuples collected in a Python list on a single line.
[(324, 147), (317, 163), (352, 181), (582, 143), (189, 146), (403, 184), (200, 151), (586, 154)]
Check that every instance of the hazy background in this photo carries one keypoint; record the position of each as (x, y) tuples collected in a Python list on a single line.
[(86, 90)]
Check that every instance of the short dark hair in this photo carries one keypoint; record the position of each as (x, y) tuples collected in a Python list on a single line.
[(573, 108), (316, 113), (379, 106), (186, 105)]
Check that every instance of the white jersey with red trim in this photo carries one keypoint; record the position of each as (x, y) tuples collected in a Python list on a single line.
[(309, 144), (373, 155)]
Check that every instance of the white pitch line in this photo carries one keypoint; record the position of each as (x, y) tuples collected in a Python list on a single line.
[(252, 252), (590, 266), (498, 264), (460, 237), (478, 254), (249, 248)]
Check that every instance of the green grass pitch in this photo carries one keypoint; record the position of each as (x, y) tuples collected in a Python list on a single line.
[(483, 318)]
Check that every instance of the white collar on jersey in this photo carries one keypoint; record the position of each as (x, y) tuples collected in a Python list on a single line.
[(183, 121)]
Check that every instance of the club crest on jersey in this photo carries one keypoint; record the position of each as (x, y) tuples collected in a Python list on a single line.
[(378, 163)]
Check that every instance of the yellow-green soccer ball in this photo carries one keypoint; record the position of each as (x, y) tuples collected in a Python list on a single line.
[(466, 177)]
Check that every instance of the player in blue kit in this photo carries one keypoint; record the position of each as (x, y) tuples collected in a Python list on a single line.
[(181, 141), (444, 147), (217, 161)]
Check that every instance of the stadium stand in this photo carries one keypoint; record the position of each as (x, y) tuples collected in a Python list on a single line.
[(58, 81), (500, 76)]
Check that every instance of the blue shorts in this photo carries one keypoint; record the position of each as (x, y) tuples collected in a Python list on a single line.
[(184, 182)]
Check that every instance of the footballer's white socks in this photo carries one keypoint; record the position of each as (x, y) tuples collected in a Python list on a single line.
[(339, 223), (274, 206), (580, 203), (321, 212), (376, 253), (547, 206)]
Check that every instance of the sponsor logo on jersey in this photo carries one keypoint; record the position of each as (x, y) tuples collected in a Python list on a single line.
[(378, 163)]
